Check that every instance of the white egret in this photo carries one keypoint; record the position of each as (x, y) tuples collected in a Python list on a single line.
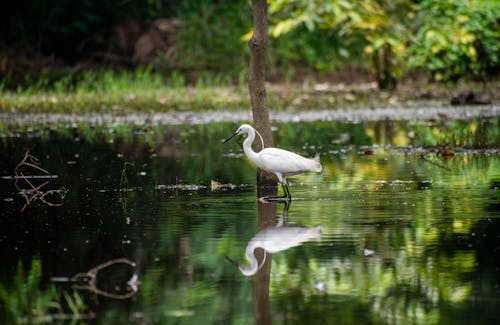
[(280, 162), (276, 239)]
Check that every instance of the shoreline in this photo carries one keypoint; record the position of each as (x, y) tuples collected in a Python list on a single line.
[(352, 115)]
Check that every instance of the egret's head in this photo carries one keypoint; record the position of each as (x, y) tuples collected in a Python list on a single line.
[(245, 270), (250, 269), (244, 128)]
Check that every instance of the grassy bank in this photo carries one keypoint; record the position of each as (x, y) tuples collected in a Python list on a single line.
[(145, 90), (124, 101), (121, 91)]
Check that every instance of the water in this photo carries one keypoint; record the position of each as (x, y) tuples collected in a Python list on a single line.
[(410, 227)]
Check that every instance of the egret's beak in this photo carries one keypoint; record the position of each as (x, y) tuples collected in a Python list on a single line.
[(232, 136), (231, 261)]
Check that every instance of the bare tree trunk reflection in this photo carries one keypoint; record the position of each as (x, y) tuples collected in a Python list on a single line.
[(267, 218), (185, 263)]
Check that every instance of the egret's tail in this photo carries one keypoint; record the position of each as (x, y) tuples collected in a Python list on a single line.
[(316, 164)]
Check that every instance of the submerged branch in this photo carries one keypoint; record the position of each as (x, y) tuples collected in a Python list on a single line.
[(33, 192), (435, 163)]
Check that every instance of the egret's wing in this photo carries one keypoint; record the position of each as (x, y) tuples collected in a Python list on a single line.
[(284, 162), (277, 239)]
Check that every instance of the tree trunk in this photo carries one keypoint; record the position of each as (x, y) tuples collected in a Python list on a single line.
[(383, 66), (256, 82), (261, 279)]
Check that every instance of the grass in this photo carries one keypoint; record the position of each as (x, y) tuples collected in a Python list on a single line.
[(123, 101), (146, 90), (24, 302), (122, 92)]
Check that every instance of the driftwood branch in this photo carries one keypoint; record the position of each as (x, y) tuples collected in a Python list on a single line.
[(32, 192)]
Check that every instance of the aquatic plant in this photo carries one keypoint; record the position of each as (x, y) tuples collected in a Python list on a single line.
[(25, 302)]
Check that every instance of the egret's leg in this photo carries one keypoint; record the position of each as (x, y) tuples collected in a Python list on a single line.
[(284, 214), (286, 193), (274, 198), (286, 206)]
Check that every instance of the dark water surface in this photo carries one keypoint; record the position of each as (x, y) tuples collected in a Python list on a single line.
[(409, 216)]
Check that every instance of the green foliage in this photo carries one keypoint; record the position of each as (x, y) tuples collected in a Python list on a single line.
[(457, 38), (317, 50), (450, 39), (380, 25), (176, 80), (63, 26), (25, 302), (118, 81), (102, 80), (211, 36)]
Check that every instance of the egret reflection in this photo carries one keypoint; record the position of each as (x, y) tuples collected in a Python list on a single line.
[(274, 239)]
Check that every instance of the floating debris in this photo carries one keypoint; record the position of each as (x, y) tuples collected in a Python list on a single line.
[(446, 152), (368, 252), (134, 282), (181, 187), (30, 177), (216, 186), (29, 189), (180, 313), (320, 286)]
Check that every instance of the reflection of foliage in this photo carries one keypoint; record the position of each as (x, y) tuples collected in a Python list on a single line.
[(25, 302), (417, 217), (474, 133), (413, 215), (396, 287)]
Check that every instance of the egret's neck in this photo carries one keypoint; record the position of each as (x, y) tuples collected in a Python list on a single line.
[(254, 264), (247, 146)]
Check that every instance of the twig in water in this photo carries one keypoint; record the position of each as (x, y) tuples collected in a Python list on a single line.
[(434, 163), (29, 191), (123, 191)]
